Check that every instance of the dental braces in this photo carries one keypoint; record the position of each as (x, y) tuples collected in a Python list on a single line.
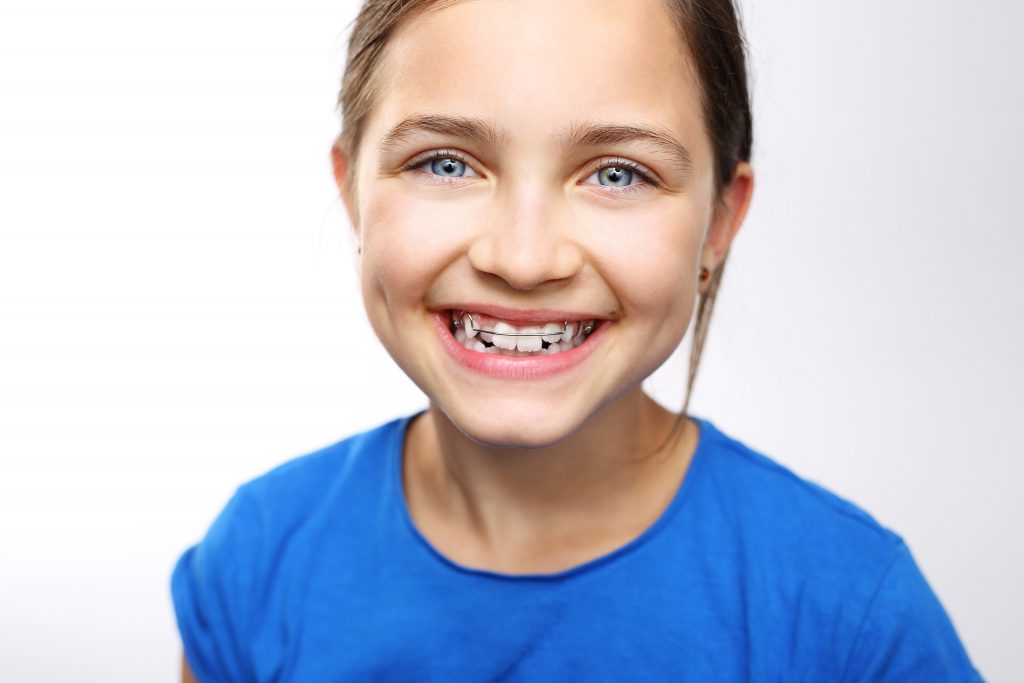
[(457, 322)]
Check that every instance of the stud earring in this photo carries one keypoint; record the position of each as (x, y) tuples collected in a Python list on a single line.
[(704, 274)]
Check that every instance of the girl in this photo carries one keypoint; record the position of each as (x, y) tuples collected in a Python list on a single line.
[(542, 193)]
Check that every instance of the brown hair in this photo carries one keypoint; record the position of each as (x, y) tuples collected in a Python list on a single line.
[(711, 29)]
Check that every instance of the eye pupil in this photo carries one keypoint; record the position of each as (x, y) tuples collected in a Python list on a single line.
[(615, 174)]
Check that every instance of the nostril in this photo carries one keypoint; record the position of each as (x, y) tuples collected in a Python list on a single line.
[(524, 259)]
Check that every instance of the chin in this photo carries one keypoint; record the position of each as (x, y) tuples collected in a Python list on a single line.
[(526, 428)]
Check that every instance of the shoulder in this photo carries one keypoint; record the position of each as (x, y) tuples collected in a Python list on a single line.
[(783, 506), (822, 556), (265, 534), (342, 468), (295, 503), (832, 567)]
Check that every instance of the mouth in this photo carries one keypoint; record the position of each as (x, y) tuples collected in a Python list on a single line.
[(476, 331)]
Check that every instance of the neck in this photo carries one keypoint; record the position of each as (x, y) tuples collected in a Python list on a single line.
[(608, 477)]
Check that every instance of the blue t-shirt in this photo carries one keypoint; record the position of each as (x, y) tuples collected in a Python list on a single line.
[(315, 572)]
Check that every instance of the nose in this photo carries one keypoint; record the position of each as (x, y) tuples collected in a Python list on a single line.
[(526, 239)]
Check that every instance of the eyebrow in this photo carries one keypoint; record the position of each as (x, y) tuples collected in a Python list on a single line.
[(476, 130), (589, 134), (583, 134)]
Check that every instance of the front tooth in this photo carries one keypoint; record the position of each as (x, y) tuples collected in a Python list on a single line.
[(467, 325), (554, 348), (529, 343), (502, 341), (570, 332)]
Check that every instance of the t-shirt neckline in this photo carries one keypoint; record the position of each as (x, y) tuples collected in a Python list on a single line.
[(706, 433)]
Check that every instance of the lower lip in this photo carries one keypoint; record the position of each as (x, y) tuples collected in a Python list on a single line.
[(516, 367)]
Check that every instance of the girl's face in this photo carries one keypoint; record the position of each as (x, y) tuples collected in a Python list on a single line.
[(573, 181)]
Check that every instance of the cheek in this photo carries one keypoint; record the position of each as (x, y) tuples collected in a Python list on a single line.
[(406, 242), (650, 258)]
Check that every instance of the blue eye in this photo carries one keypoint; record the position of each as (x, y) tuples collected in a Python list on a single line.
[(618, 175), (448, 167), (445, 166), (441, 166), (615, 175)]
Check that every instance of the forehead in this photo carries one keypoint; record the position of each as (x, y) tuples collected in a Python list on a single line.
[(535, 67)]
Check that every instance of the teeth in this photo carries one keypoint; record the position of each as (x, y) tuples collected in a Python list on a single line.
[(557, 347), (502, 341), (529, 343), (552, 332), (470, 331), (518, 341)]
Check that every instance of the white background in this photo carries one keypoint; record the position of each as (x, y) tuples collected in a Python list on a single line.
[(178, 311)]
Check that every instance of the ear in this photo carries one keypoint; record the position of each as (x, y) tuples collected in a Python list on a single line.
[(730, 210), (340, 162)]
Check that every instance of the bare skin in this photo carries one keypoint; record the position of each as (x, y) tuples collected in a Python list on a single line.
[(549, 510), (186, 672)]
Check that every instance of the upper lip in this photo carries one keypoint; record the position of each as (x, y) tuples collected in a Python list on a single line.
[(522, 315)]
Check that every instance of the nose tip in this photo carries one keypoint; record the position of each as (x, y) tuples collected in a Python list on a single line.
[(524, 266), (527, 247)]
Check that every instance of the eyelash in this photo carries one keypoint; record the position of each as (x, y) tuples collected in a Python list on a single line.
[(608, 162), (436, 154), (634, 168)]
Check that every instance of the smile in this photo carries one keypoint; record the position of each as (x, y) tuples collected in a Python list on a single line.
[(500, 348), (484, 334)]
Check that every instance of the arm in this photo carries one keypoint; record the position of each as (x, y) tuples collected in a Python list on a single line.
[(210, 588), (186, 672)]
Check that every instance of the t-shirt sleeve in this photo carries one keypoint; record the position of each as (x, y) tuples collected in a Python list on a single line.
[(906, 634), (211, 587)]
